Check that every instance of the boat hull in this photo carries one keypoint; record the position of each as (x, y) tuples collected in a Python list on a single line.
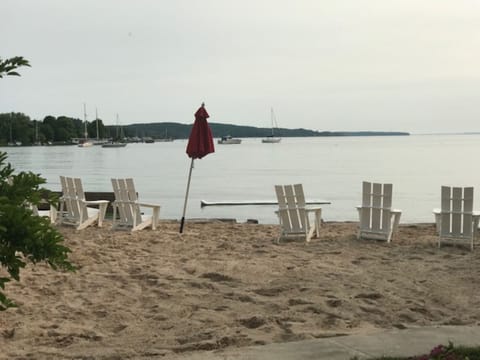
[(271, 140), (229, 140), (114, 145)]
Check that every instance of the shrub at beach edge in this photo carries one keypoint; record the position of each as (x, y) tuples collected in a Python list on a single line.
[(25, 237)]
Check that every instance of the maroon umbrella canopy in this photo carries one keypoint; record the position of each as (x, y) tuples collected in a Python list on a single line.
[(200, 142)]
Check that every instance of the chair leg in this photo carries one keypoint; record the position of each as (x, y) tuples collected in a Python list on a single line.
[(87, 223), (310, 233), (102, 210), (155, 217), (318, 221), (438, 219)]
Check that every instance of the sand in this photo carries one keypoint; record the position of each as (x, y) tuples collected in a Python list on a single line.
[(154, 294)]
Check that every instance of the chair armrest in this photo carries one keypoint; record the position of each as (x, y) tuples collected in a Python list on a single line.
[(436, 211), (102, 208), (396, 211), (149, 205), (95, 202), (359, 210)]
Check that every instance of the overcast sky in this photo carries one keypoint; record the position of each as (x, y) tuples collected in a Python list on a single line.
[(403, 65)]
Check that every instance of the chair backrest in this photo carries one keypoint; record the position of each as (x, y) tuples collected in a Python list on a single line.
[(376, 207), (291, 208), (456, 212), (126, 201), (73, 198)]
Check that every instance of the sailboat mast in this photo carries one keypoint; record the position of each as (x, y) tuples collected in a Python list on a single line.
[(85, 120), (118, 129), (96, 120), (272, 116)]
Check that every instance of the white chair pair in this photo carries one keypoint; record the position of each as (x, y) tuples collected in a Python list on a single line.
[(76, 210), (377, 219), (456, 222)]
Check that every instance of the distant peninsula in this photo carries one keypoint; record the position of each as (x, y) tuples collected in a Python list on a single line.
[(182, 131)]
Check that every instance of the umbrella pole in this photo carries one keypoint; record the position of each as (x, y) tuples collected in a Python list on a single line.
[(186, 197)]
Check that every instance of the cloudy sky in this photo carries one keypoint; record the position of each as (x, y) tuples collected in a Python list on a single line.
[(404, 65)]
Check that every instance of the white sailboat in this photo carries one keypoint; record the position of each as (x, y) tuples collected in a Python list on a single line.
[(116, 143), (271, 139), (85, 142), (98, 141), (166, 138)]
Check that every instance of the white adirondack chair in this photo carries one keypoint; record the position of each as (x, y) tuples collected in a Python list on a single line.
[(378, 220), (75, 209), (293, 213), (127, 209), (456, 221), (50, 214)]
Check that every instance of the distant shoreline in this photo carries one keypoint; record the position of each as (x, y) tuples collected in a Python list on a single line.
[(363, 133), (182, 131)]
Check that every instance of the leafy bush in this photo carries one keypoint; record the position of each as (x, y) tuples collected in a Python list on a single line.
[(25, 237), (442, 352)]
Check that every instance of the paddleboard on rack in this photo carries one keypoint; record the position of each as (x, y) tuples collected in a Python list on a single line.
[(204, 203)]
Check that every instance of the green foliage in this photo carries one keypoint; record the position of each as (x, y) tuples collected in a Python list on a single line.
[(441, 352), (8, 66), (16, 127), (25, 237)]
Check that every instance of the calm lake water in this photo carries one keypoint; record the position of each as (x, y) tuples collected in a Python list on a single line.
[(329, 168)]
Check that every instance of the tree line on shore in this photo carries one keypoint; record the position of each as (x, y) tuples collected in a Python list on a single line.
[(18, 128)]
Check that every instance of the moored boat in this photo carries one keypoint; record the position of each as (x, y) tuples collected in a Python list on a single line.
[(114, 145), (271, 139), (166, 138), (229, 140), (119, 140), (85, 142)]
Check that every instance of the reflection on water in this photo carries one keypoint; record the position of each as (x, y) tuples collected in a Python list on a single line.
[(329, 168)]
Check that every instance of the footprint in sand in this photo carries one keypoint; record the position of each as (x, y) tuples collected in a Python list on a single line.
[(333, 302), (293, 302), (270, 292), (216, 277), (370, 296), (253, 322)]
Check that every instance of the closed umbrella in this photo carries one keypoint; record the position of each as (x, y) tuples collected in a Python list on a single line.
[(200, 144)]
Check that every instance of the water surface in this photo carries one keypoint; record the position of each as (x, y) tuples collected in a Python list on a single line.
[(330, 168)]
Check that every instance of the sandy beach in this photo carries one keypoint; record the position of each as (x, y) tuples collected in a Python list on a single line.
[(156, 294)]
